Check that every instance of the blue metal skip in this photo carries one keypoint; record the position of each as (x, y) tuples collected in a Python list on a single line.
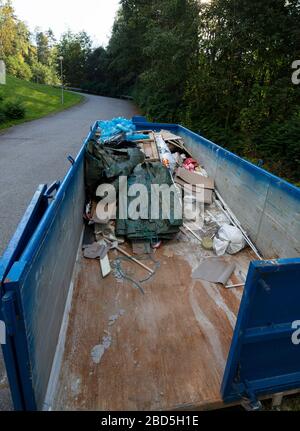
[(37, 268), (16, 343), (264, 358), (36, 272)]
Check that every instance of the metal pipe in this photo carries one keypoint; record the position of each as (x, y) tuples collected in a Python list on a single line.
[(236, 222)]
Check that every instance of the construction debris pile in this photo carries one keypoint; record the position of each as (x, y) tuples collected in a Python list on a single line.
[(150, 159)]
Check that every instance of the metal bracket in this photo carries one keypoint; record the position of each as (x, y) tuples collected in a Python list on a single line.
[(250, 401), (51, 189), (71, 159)]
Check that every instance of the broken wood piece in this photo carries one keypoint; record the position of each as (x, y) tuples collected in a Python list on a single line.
[(129, 256), (192, 232), (149, 148), (169, 136), (104, 262), (231, 286), (135, 260), (195, 179), (105, 266)]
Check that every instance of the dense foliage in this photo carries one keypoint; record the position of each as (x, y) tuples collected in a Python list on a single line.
[(11, 110), (26, 58), (221, 67)]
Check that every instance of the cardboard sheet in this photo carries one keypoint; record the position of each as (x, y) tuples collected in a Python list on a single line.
[(195, 179)]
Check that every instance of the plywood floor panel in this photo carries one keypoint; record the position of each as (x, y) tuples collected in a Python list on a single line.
[(166, 349)]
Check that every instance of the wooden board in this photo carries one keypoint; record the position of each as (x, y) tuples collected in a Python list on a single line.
[(195, 179), (166, 349), (168, 136), (149, 148)]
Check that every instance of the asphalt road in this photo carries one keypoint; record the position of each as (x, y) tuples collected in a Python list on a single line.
[(36, 153)]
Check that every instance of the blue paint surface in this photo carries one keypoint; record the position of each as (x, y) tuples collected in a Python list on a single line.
[(263, 359)]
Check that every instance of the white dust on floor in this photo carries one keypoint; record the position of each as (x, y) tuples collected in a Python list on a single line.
[(98, 351)]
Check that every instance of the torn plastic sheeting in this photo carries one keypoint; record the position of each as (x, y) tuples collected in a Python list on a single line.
[(103, 163), (108, 129), (214, 270), (136, 136)]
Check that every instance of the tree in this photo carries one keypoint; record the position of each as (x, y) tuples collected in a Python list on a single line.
[(241, 88), (126, 60), (171, 47), (24, 60), (43, 48), (14, 42), (8, 29), (150, 50), (96, 73), (222, 68), (75, 49)]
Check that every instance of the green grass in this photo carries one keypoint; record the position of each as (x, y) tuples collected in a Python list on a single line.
[(39, 100)]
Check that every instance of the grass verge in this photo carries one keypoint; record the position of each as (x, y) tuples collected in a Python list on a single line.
[(39, 100)]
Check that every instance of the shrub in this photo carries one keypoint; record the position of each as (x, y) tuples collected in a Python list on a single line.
[(18, 68), (279, 146), (14, 110), (2, 115), (43, 74)]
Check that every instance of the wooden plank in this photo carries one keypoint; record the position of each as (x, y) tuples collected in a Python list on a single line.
[(105, 263), (168, 136), (149, 148), (154, 147), (165, 350)]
